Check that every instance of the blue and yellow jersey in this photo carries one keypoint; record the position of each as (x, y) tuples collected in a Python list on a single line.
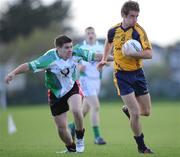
[(118, 36)]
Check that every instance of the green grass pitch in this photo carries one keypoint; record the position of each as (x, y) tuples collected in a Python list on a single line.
[(36, 134)]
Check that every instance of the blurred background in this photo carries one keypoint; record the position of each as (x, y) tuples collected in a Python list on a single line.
[(28, 28)]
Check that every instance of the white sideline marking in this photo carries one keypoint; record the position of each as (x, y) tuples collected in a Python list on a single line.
[(11, 125)]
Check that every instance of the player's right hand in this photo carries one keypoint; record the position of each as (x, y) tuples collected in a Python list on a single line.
[(9, 77), (101, 64)]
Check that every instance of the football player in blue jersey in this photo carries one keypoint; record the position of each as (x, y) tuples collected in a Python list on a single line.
[(129, 76)]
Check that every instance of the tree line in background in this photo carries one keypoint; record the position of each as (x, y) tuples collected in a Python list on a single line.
[(24, 16), (28, 27)]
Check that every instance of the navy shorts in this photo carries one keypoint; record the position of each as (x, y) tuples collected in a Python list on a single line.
[(60, 105), (131, 81)]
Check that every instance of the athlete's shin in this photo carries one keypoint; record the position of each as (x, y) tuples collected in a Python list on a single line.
[(135, 124), (65, 135)]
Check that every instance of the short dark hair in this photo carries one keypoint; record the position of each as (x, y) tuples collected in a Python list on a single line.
[(61, 40), (90, 27), (129, 6)]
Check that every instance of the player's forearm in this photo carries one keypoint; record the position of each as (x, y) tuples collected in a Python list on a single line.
[(107, 49), (99, 57), (146, 54), (21, 69)]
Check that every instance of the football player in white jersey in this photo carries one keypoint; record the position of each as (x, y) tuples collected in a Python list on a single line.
[(59, 65), (90, 82)]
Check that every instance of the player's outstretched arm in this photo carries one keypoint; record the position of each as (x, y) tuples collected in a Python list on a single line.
[(20, 69), (99, 57)]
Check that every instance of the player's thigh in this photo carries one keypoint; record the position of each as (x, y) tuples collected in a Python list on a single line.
[(85, 106), (144, 104), (93, 101), (61, 120), (131, 102), (75, 102)]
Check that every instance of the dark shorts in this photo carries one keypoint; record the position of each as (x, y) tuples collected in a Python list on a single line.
[(60, 105), (131, 81)]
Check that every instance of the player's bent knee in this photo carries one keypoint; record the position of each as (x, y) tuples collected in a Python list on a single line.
[(77, 112), (146, 113), (134, 115), (96, 108)]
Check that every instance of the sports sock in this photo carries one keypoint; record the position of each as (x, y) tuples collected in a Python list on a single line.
[(96, 131), (71, 126), (80, 134), (140, 142)]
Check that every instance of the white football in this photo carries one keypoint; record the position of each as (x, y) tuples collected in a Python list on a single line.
[(131, 45)]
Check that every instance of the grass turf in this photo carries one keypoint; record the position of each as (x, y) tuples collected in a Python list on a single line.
[(36, 134)]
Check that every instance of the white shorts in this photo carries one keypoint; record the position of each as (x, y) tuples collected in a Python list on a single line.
[(89, 86)]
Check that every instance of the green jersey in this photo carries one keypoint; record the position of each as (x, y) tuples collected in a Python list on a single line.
[(60, 74)]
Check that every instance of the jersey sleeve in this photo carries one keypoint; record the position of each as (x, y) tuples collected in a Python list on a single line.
[(143, 38), (110, 35), (145, 42), (111, 32), (84, 54), (42, 62)]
